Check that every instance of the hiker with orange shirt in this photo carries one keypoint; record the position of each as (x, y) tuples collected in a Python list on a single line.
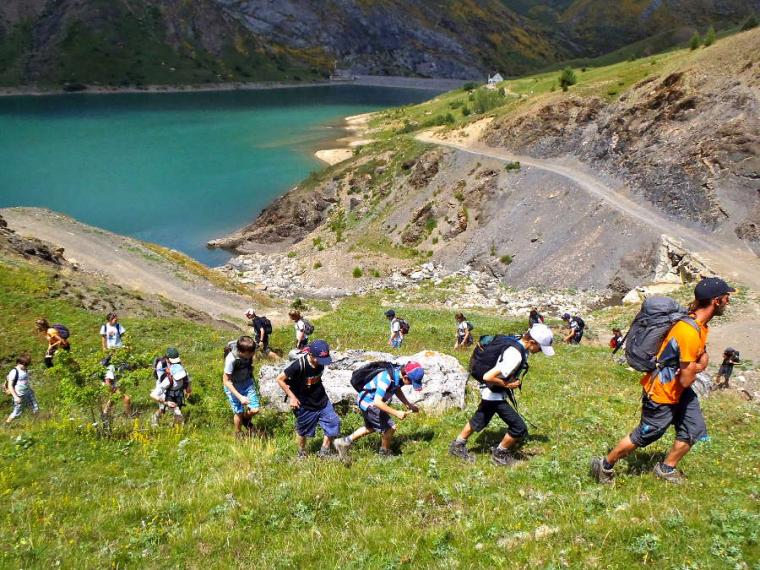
[(668, 398)]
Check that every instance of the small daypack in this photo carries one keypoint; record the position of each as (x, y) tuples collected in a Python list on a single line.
[(308, 328), (63, 331), (469, 326), (403, 326), (580, 322), (362, 376), (266, 324), (649, 328), (489, 349), (156, 361)]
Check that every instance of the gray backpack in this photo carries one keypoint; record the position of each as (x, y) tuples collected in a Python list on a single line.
[(649, 328)]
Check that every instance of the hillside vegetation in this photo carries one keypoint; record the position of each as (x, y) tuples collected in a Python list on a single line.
[(169, 42), (78, 496)]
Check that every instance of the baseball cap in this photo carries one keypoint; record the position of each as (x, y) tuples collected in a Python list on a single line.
[(249, 312), (544, 337), (173, 355), (390, 313), (414, 371), (320, 350), (711, 287), (565, 316)]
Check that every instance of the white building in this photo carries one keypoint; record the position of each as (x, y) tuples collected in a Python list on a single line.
[(493, 80)]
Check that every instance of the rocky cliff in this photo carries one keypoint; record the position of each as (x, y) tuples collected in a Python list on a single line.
[(138, 42)]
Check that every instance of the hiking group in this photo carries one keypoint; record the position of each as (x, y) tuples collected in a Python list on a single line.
[(665, 341)]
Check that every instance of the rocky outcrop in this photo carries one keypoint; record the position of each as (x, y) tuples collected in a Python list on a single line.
[(30, 248), (443, 385)]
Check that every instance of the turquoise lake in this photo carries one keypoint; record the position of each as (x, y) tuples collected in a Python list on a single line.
[(176, 169)]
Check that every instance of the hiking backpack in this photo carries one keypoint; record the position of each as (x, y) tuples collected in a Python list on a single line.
[(580, 322), (469, 326), (649, 328), (63, 331), (266, 324), (489, 349), (362, 376), (308, 328), (403, 326)]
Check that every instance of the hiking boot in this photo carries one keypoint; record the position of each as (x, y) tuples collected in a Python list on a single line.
[(325, 453), (459, 449), (502, 457), (385, 453), (671, 476), (301, 455), (341, 445), (599, 473)]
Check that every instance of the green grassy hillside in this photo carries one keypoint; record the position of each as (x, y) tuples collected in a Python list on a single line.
[(194, 497)]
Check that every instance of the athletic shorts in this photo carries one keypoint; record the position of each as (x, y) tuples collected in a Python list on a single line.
[(326, 418), (377, 420), (515, 424), (685, 416), (396, 342), (175, 396), (249, 391)]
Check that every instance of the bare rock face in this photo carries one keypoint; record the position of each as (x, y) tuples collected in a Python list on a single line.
[(443, 385)]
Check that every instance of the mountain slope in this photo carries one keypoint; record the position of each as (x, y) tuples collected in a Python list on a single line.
[(138, 42)]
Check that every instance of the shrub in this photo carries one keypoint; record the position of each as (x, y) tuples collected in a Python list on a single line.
[(435, 240), (506, 259), (299, 305), (695, 41), (430, 225), (375, 273), (749, 23), (459, 195), (466, 111), (567, 78), (357, 272), (710, 37), (470, 86), (486, 99), (291, 254), (317, 265), (456, 104), (338, 225), (513, 165)]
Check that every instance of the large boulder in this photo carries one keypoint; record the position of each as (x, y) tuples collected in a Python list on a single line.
[(443, 386)]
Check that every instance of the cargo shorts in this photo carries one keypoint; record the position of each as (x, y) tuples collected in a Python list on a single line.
[(685, 416)]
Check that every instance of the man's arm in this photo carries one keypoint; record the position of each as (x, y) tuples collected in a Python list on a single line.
[(689, 370), (402, 398), (379, 404), (282, 380), (494, 378), (226, 380)]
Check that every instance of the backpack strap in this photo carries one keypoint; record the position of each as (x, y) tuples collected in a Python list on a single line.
[(524, 366), (15, 380), (691, 322)]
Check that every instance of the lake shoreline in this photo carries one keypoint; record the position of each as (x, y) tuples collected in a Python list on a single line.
[(359, 81)]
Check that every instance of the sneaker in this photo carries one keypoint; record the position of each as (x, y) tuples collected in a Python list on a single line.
[(325, 452), (385, 453), (301, 455), (503, 457), (672, 476), (341, 445), (459, 449), (599, 473)]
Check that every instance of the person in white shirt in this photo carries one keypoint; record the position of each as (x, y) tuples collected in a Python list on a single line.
[(112, 332), (496, 386), (302, 339), (18, 386), (397, 335), (464, 332), (172, 386)]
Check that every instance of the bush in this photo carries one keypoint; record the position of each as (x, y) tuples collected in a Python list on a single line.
[(357, 272), (459, 195), (514, 165), (710, 37), (317, 265), (506, 259), (466, 111), (486, 99), (299, 305), (695, 41), (291, 254), (567, 78), (749, 23), (470, 86)]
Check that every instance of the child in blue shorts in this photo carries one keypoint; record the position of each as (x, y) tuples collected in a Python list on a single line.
[(238, 384), (302, 382)]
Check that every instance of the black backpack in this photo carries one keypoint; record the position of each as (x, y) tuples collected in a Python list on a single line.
[(266, 324), (489, 349), (649, 328), (403, 326), (361, 376), (580, 322), (308, 328)]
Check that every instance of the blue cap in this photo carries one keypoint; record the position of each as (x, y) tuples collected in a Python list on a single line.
[(320, 350), (712, 287), (414, 371), (390, 313)]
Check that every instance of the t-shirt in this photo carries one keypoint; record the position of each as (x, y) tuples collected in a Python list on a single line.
[(236, 376), (383, 384), (682, 344), (23, 378), (395, 327), (258, 325), (111, 374), (53, 335), (462, 329), (508, 363), (300, 330), (113, 334), (305, 382), (165, 385)]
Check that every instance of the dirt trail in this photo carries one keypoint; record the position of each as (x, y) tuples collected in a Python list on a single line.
[(729, 258), (126, 261)]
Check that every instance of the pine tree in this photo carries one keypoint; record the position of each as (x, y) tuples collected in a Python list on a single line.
[(695, 41), (567, 78), (710, 37)]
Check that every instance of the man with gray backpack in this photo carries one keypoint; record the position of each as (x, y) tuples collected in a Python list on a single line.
[(499, 363), (668, 343)]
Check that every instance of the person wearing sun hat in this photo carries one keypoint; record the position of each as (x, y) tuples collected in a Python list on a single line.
[(373, 403), (668, 398), (302, 383), (506, 375), (172, 386)]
